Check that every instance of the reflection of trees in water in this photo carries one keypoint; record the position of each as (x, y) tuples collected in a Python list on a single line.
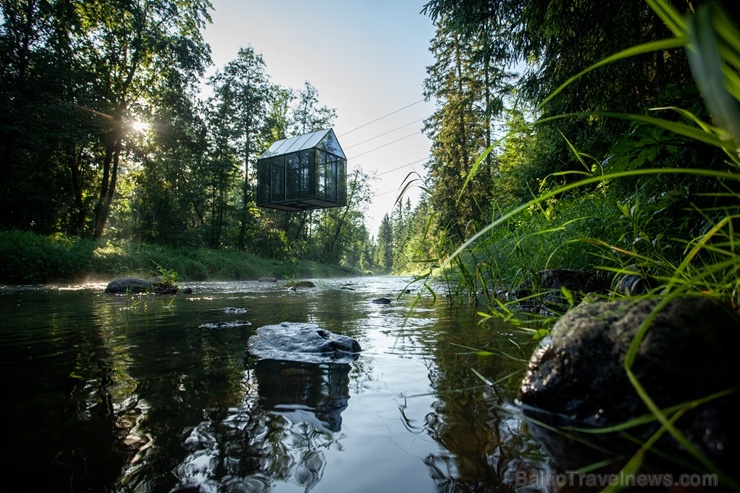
[(483, 446), (201, 414), (279, 437), (249, 449)]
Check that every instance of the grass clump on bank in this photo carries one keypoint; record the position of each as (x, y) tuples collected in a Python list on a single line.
[(28, 258), (677, 225)]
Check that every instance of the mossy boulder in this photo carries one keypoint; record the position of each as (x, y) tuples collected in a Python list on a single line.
[(125, 285), (577, 378)]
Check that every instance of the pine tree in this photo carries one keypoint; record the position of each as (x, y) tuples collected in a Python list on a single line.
[(460, 129)]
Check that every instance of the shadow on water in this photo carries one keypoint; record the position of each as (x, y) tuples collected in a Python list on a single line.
[(160, 394)]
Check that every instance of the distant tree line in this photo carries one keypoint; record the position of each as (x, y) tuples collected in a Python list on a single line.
[(109, 129)]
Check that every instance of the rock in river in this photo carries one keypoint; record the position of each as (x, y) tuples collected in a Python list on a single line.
[(129, 284), (302, 342), (577, 378), (137, 285)]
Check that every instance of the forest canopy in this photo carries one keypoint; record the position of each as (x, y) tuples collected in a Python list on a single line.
[(106, 133)]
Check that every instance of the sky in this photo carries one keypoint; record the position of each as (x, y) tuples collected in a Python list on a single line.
[(366, 58)]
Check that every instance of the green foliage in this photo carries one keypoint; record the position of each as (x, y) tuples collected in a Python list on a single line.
[(469, 88), (167, 277), (28, 258), (75, 160), (661, 200), (625, 209)]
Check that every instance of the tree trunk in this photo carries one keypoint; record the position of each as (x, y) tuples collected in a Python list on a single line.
[(241, 243), (108, 184), (330, 247), (73, 163)]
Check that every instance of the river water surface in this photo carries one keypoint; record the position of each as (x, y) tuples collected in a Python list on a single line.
[(159, 393)]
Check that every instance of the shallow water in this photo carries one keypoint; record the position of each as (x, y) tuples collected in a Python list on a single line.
[(160, 394)]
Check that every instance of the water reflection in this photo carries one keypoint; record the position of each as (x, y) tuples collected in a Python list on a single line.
[(278, 436), (163, 396), (315, 394), (253, 447)]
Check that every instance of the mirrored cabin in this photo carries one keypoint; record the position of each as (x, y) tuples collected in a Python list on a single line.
[(304, 172)]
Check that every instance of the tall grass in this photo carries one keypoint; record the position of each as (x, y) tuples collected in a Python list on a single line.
[(617, 235), (543, 230)]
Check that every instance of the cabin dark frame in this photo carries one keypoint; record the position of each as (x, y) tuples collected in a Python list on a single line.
[(302, 173)]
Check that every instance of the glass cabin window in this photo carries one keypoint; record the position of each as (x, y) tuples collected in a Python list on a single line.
[(303, 172)]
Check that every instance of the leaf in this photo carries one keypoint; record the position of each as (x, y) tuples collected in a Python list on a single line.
[(540, 334), (669, 15), (567, 295)]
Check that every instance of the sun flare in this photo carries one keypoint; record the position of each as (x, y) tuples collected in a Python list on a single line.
[(140, 126)]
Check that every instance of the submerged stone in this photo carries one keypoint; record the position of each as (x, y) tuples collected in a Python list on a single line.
[(302, 342), (577, 378)]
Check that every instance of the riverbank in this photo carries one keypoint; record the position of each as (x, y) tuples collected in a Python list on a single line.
[(27, 258)]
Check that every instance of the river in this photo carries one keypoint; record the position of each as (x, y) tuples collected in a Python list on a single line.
[(159, 393)]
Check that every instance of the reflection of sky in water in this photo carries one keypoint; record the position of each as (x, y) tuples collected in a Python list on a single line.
[(327, 427), (197, 412), (383, 429)]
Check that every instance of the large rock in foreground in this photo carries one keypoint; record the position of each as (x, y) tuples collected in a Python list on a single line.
[(577, 378), (302, 342)]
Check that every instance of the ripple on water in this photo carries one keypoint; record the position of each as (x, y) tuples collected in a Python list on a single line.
[(171, 386)]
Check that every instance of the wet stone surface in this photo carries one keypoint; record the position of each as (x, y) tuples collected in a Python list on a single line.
[(577, 377), (302, 342)]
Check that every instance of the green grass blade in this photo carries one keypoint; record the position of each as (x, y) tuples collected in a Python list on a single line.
[(675, 127), (722, 175), (669, 15), (707, 68)]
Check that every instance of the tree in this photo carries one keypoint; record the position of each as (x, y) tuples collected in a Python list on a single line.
[(552, 40), (220, 169), (384, 245), (307, 115), (131, 50), (244, 89), (343, 229), (401, 221), (459, 130), (169, 200), (80, 73), (40, 133)]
